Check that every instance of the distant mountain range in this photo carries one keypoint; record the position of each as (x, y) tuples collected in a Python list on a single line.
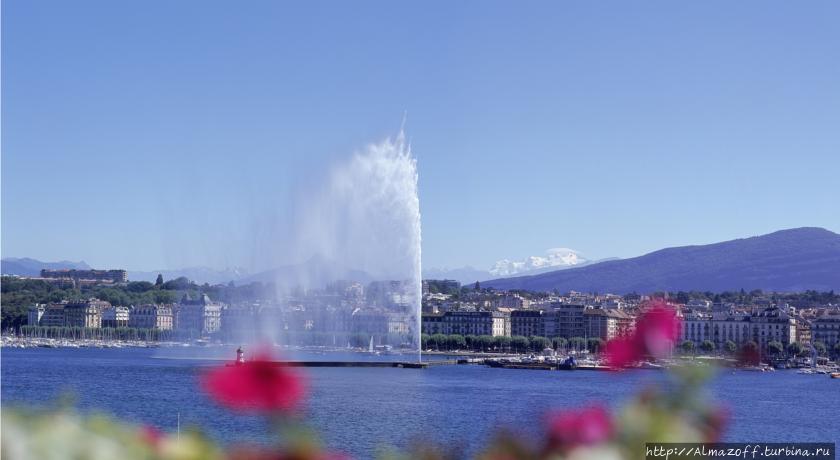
[(553, 259), (787, 260), (31, 267), (200, 275)]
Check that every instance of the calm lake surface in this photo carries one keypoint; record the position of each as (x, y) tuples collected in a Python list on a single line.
[(359, 410)]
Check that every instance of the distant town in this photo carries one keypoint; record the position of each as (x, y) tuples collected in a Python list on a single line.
[(105, 304)]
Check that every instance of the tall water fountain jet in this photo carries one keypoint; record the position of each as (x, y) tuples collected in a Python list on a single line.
[(367, 218)]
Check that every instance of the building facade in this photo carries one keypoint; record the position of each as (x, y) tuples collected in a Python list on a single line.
[(762, 327), (528, 323), (826, 329), (198, 316), (565, 320), (467, 323), (87, 313), (607, 324), (152, 316), (116, 316)]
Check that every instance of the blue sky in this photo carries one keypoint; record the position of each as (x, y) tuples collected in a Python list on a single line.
[(165, 134)]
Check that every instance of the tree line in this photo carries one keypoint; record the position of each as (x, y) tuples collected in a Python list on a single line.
[(504, 344), (774, 348)]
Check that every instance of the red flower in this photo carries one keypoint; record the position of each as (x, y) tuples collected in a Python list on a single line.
[(259, 385), (582, 427), (622, 352), (151, 436), (656, 331), (266, 453)]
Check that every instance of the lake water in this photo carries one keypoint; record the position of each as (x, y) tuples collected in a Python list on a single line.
[(358, 410)]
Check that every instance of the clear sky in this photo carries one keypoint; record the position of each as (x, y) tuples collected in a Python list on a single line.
[(160, 134)]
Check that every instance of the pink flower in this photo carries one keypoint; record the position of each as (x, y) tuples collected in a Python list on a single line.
[(259, 385), (622, 352), (656, 331), (151, 436), (266, 453), (586, 426)]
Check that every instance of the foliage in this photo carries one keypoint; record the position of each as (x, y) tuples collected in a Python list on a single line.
[(538, 344), (595, 345), (577, 343), (821, 348), (687, 346), (730, 347), (707, 346), (775, 348), (795, 349), (519, 343)]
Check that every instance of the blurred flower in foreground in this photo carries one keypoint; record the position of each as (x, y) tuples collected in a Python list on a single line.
[(265, 453), (259, 385), (568, 429), (656, 331), (716, 419)]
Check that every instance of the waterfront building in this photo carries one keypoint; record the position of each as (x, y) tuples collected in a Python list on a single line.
[(198, 316), (565, 320), (116, 316), (764, 326), (152, 316), (36, 312), (101, 276), (240, 322), (803, 330), (826, 328), (86, 313), (607, 324), (54, 315), (527, 323), (467, 323)]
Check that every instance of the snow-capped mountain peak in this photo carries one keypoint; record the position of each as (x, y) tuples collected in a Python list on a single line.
[(553, 258)]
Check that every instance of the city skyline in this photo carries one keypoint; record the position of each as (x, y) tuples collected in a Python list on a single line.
[(172, 147)]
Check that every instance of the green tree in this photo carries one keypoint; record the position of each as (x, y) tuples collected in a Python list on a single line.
[(538, 344), (794, 349), (559, 343), (424, 341), (707, 346), (687, 346), (438, 341), (519, 343), (456, 342), (501, 342), (836, 349), (577, 343), (730, 347), (820, 347), (595, 345), (159, 280), (470, 341), (775, 348), (485, 342)]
